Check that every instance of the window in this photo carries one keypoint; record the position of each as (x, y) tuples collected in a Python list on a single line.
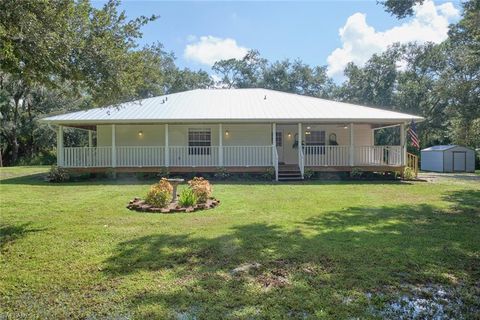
[(315, 138), (278, 138), (199, 141)]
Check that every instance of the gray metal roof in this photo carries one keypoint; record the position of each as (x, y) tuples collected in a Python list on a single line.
[(444, 147), (230, 105), (439, 148)]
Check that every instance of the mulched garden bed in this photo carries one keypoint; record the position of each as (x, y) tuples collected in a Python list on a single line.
[(138, 204)]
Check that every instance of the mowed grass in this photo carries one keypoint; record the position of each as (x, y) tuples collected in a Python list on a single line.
[(324, 249)]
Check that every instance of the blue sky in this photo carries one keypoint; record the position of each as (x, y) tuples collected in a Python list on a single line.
[(200, 32)]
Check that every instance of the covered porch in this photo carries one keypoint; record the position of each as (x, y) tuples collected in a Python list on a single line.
[(236, 147)]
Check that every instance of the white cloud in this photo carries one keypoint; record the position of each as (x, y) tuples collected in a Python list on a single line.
[(209, 49), (360, 40)]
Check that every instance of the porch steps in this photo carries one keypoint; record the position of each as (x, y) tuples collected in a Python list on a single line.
[(289, 173)]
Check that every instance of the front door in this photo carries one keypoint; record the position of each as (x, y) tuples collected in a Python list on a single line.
[(286, 148)]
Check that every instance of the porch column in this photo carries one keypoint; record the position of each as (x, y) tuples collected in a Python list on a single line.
[(90, 138), (352, 148), (220, 145), (60, 146), (403, 143), (300, 136), (167, 153), (274, 141), (114, 148)]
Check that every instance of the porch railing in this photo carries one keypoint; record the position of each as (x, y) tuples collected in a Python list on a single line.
[(378, 155), (239, 156), (178, 156), (326, 156)]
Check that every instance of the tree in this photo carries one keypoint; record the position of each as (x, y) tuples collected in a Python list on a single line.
[(400, 8), (46, 44)]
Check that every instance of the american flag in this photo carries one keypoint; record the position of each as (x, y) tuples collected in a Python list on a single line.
[(412, 132)]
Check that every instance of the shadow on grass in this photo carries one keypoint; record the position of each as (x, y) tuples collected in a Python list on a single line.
[(322, 266), (10, 233)]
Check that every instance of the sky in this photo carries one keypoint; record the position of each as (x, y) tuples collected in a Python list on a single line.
[(330, 33)]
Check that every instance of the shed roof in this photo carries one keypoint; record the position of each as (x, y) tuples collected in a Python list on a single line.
[(232, 105), (444, 147)]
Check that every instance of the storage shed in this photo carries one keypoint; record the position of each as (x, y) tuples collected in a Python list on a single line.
[(451, 158)]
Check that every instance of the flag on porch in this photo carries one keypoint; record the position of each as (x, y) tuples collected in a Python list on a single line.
[(412, 132)]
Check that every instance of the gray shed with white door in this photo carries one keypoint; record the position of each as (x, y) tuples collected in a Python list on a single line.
[(451, 158)]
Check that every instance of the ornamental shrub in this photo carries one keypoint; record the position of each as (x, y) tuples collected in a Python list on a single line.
[(160, 194), (201, 188), (187, 198), (308, 174), (408, 174), (57, 174)]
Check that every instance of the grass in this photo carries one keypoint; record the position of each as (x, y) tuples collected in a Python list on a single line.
[(325, 249)]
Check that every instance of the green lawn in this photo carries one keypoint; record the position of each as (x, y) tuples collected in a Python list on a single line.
[(325, 249)]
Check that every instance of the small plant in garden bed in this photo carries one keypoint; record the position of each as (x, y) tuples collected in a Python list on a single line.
[(187, 198), (160, 194), (201, 188)]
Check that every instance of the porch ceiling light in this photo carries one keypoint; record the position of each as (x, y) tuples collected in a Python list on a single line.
[(140, 133), (308, 128), (345, 127), (289, 134), (227, 133)]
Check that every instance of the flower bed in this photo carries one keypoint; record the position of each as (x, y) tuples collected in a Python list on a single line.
[(197, 196), (138, 204)]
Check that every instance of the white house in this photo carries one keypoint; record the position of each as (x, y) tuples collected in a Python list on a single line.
[(238, 130)]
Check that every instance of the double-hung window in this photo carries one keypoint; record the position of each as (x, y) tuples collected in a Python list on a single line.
[(199, 141)]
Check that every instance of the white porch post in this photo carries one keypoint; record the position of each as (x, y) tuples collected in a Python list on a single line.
[(60, 146), (167, 154), (300, 136), (274, 141), (114, 148), (403, 143), (220, 145), (352, 149), (90, 138)]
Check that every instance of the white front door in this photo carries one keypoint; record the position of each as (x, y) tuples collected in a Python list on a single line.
[(459, 161), (287, 153)]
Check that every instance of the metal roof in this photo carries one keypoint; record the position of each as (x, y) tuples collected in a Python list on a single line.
[(230, 105), (445, 147)]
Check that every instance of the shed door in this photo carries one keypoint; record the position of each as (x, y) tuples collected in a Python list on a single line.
[(459, 161)]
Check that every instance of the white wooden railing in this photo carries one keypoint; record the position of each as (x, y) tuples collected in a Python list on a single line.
[(247, 156), (140, 156), (275, 161), (378, 155), (178, 156), (301, 161), (87, 157), (363, 155), (239, 156), (326, 155)]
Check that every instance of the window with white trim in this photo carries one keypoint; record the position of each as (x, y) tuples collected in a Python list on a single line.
[(199, 140)]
